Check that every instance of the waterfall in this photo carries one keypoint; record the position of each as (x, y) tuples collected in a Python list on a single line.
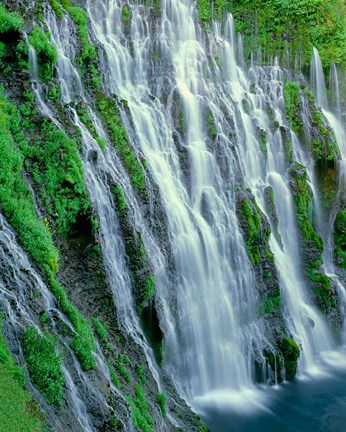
[(208, 345), (338, 127), (196, 119), (334, 89), (317, 80)]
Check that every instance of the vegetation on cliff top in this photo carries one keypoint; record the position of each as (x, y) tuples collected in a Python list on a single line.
[(298, 25)]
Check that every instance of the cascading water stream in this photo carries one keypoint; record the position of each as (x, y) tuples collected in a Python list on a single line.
[(333, 115), (209, 348), (303, 320)]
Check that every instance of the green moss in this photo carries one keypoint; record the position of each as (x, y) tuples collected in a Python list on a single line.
[(293, 105), (110, 116), (211, 128), (253, 232), (270, 305), (46, 52), (149, 288), (9, 21), (161, 400), (263, 140), (56, 6), (303, 201), (44, 365), (141, 375), (126, 13), (120, 201), (122, 369), (18, 411), (114, 377), (100, 328), (340, 238), (291, 352)]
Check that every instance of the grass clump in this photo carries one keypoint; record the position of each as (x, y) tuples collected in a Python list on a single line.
[(140, 410), (122, 369), (18, 411), (46, 52), (110, 116), (44, 365)]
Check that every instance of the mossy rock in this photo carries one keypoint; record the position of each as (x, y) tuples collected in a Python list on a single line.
[(291, 352)]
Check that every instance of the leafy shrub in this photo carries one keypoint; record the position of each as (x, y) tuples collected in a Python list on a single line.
[(9, 21)]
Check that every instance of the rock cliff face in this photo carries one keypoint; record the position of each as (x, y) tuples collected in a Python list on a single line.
[(100, 307)]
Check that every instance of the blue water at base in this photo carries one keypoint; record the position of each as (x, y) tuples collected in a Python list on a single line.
[(309, 404)]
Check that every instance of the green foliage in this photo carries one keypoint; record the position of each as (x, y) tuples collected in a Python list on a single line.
[(56, 6), (291, 353), (149, 288), (114, 376), (101, 329), (22, 53), (120, 201), (110, 116), (270, 305), (140, 410), (16, 200), (44, 365), (303, 202), (46, 52), (161, 400), (253, 232), (126, 13), (263, 140), (209, 9), (340, 238), (18, 411), (293, 105), (83, 343), (122, 369), (9, 21), (211, 126), (297, 25), (53, 160), (141, 375)]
